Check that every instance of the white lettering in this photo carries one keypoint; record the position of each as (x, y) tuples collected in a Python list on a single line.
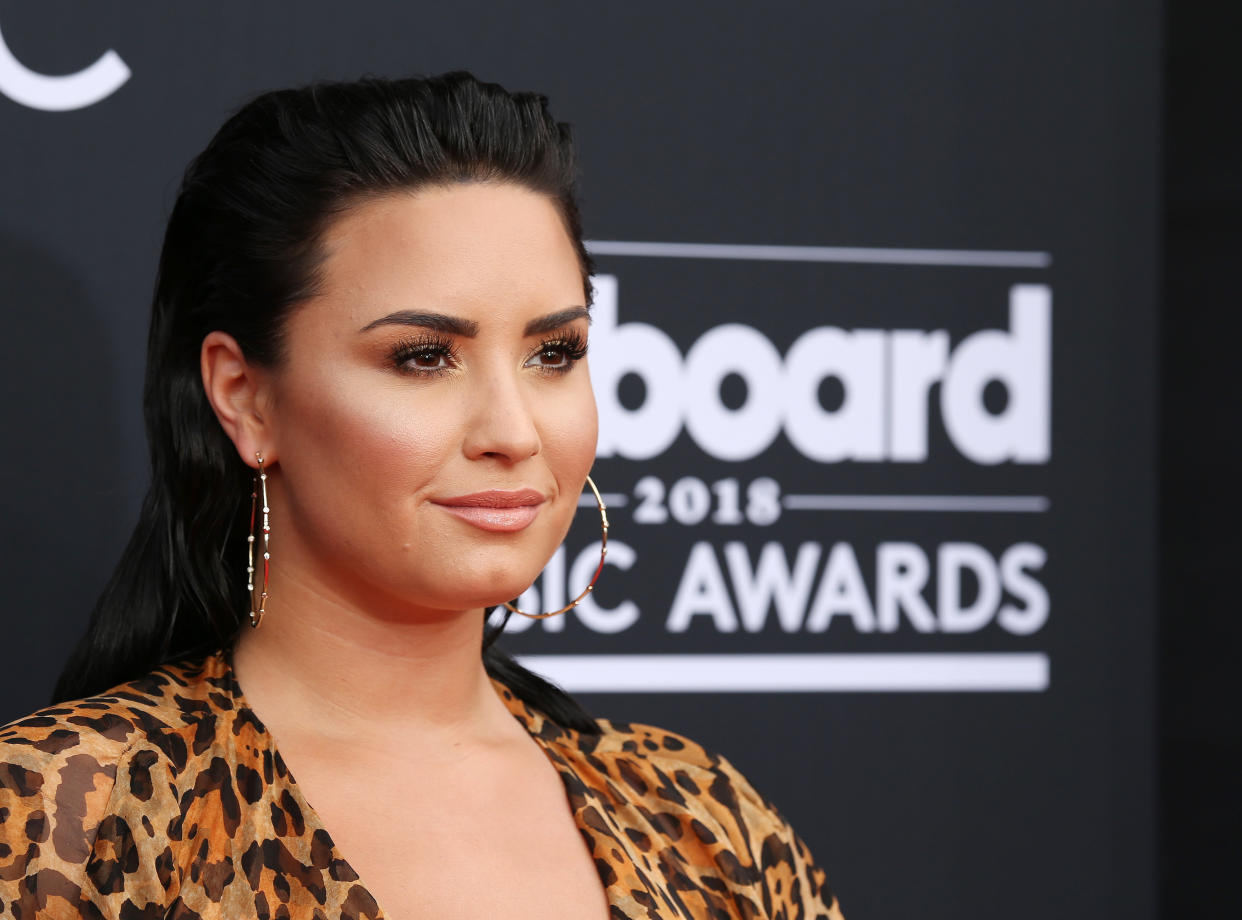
[(918, 361), (642, 350), (841, 591), (733, 434), (740, 593), (1021, 360), (702, 591), (886, 377), (553, 582), (60, 93), (1014, 564), (855, 431), (952, 559), (593, 616), (901, 573), (553, 594), (771, 584)]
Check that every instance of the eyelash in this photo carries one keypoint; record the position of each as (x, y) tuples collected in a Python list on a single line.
[(571, 345), (431, 346)]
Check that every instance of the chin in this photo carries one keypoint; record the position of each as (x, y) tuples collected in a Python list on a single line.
[(489, 588), (466, 575)]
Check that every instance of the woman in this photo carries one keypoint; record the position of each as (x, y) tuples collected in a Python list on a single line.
[(370, 420)]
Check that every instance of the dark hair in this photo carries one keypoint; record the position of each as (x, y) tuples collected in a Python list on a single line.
[(243, 248)]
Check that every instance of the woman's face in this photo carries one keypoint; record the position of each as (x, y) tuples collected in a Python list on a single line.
[(432, 422)]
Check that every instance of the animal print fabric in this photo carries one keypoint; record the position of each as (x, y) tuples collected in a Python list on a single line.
[(166, 797)]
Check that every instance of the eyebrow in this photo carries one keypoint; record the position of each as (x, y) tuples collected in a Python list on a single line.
[(455, 325), (556, 320), (441, 322)]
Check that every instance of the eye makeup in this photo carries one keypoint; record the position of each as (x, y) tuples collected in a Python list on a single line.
[(424, 354), (430, 354), (563, 352)]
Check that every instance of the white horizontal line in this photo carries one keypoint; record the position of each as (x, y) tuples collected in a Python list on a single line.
[(611, 499), (972, 258), (1019, 503), (767, 673)]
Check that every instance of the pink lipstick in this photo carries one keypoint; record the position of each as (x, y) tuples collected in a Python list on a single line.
[(495, 510)]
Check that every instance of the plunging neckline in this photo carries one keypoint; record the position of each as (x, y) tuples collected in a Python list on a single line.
[(613, 891)]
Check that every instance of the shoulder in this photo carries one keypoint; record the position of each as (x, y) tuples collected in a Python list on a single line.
[(678, 770), (161, 711), (632, 761), (695, 803), (100, 771)]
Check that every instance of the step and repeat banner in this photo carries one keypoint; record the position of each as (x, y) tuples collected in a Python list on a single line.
[(872, 345)]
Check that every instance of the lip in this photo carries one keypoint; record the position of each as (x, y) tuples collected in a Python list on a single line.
[(494, 498), (496, 510)]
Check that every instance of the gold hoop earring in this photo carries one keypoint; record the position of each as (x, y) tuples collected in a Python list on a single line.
[(259, 490), (603, 551)]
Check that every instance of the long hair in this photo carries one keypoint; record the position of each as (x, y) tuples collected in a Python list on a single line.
[(243, 248)]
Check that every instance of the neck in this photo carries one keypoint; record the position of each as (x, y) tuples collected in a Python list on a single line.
[(335, 670)]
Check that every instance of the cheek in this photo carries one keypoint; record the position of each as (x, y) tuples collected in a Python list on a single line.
[(570, 433), (339, 438)]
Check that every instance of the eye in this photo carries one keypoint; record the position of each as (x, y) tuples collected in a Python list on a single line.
[(426, 359), (551, 356), (558, 355), (424, 356)]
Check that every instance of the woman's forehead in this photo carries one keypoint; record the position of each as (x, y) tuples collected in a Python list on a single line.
[(454, 224), (482, 251)]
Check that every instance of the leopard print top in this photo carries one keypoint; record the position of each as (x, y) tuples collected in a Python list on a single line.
[(166, 798)]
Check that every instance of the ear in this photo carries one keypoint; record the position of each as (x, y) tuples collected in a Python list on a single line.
[(238, 393)]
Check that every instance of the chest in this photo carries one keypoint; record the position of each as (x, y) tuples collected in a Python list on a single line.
[(459, 841), (462, 841)]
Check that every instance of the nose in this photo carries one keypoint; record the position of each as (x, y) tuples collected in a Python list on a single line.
[(500, 423)]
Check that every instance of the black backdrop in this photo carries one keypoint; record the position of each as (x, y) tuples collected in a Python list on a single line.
[(970, 192), (1200, 634)]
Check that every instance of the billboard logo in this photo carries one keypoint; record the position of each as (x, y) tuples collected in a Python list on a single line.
[(708, 596), (60, 93), (886, 376)]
